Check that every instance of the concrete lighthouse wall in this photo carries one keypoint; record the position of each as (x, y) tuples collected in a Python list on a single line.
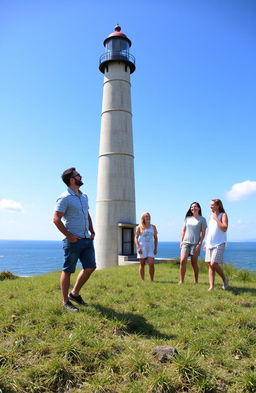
[(115, 190)]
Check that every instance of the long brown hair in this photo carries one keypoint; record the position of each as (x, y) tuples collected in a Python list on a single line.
[(189, 212), (219, 204)]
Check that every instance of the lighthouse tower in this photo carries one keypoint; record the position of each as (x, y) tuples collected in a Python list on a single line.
[(115, 207)]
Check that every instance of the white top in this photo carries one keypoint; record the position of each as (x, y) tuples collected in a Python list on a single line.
[(146, 237), (215, 236)]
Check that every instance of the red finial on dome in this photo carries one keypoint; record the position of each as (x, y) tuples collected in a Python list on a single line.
[(117, 28), (117, 34)]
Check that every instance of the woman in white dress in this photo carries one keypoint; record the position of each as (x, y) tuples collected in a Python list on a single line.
[(216, 239), (146, 242)]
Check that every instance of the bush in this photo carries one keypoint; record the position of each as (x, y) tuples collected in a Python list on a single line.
[(5, 275)]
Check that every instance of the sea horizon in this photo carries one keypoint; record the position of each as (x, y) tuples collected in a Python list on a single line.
[(36, 257)]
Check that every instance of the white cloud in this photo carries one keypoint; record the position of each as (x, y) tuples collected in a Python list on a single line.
[(7, 204), (241, 190)]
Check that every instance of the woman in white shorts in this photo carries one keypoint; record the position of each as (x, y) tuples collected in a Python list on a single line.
[(216, 239), (192, 235), (146, 242)]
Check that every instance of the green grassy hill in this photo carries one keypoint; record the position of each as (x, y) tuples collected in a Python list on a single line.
[(107, 348)]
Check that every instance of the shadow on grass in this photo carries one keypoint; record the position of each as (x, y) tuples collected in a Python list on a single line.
[(239, 291), (132, 323)]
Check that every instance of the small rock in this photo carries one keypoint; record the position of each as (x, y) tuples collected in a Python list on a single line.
[(164, 353), (238, 357)]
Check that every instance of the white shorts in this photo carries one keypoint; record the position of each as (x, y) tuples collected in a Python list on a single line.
[(147, 252), (215, 254)]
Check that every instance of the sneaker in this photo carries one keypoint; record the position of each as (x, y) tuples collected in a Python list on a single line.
[(78, 299), (225, 284), (69, 306)]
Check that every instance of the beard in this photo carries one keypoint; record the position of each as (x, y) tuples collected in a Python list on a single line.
[(79, 182)]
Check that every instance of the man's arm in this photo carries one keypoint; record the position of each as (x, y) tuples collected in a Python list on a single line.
[(91, 227), (61, 227)]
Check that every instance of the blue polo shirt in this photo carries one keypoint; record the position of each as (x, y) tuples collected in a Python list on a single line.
[(75, 209)]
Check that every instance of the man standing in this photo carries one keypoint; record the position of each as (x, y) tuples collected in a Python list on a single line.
[(72, 207)]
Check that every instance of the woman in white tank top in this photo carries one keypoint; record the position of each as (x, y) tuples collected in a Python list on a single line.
[(216, 239), (146, 242)]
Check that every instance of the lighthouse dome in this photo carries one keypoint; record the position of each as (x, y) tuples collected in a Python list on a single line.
[(117, 34), (117, 47)]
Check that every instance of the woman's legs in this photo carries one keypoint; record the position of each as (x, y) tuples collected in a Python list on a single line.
[(183, 262), (211, 273), (219, 270), (195, 267), (151, 268), (142, 268), (215, 267)]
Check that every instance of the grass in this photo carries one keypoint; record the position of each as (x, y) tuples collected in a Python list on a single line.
[(107, 348)]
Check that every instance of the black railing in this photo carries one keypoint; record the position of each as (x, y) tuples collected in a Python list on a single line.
[(117, 56)]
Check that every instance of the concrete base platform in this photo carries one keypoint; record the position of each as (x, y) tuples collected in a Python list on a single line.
[(126, 260)]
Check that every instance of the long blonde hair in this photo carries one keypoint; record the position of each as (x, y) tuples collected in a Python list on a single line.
[(142, 225)]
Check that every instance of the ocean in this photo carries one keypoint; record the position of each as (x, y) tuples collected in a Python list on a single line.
[(32, 258)]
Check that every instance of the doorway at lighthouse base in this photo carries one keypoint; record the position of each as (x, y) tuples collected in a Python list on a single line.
[(126, 246)]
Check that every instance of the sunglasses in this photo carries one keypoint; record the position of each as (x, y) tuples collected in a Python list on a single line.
[(78, 174)]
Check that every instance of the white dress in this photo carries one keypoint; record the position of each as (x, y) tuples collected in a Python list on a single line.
[(147, 243)]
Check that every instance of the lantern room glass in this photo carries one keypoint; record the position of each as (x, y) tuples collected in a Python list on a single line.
[(118, 45)]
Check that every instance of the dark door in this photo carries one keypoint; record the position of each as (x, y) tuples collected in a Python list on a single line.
[(127, 241)]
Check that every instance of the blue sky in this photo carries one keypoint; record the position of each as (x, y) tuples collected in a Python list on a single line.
[(193, 101)]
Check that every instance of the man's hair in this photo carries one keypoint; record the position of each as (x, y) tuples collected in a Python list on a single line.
[(67, 174)]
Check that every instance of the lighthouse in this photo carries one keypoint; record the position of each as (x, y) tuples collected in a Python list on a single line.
[(115, 206)]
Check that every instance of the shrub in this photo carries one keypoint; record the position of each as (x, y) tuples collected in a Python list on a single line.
[(5, 275)]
